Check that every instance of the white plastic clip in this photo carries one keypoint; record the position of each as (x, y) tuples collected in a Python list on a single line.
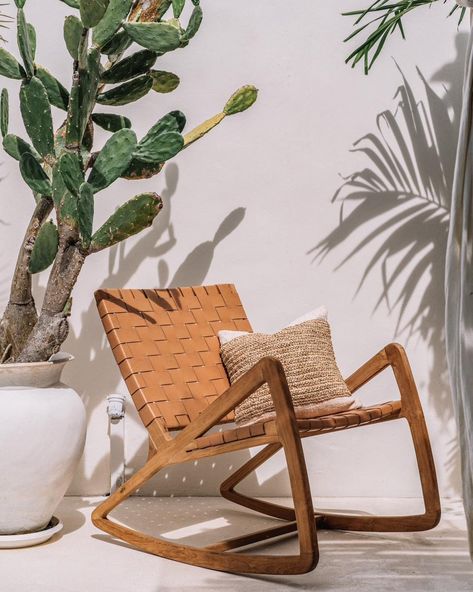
[(116, 407), (116, 432)]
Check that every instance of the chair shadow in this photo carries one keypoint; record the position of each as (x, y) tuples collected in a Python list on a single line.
[(399, 204), (419, 561)]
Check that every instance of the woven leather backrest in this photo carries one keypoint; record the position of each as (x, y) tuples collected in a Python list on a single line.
[(165, 343)]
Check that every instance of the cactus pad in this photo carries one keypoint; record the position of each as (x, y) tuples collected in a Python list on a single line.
[(110, 122), (85, 210), (72, 35), (194, 24), (72, 3), (164, 82), (115, 14), (117, 44), (71, 171), (88, 85), (160, 148), (32, 39), (45, 248), (113, 159), (159, 37), (9, 66), (142, 170), (127, 92), (131, 218), (36, 113), (34, 175), (24, 46), (92, 11), (241, 100), (177, 7), (130, 67), (57, 94), (15, 147), (4, 112)]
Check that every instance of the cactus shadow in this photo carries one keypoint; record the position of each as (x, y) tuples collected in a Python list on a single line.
[(395, 209), (87, 341)]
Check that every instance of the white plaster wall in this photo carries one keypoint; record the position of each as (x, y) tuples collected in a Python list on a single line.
[(266, 179)]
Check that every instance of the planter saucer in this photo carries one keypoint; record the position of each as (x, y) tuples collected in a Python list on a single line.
[(18, 541)]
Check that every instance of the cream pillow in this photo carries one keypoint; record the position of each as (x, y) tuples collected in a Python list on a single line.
[(318, 313), (306, 353)]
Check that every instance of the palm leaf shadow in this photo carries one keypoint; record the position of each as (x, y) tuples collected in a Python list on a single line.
[(399, 204)]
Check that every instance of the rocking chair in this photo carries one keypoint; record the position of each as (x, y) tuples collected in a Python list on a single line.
[(165, 343)]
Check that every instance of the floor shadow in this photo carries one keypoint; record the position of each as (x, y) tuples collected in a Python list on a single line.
[(398, 207)]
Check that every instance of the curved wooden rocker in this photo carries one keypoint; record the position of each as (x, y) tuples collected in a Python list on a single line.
[(165, 344)]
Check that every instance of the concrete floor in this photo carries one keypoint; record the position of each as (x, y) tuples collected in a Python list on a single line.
[(82, 559)]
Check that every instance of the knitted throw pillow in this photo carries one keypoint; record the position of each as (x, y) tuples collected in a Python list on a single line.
[(306, 353)]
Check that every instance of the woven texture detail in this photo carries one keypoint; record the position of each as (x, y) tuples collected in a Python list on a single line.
[(307, 427), (165, 343), (306, 353)]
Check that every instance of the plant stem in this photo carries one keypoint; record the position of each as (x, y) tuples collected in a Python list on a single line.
[(20, 315)]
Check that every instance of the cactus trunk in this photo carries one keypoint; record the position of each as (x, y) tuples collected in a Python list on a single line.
[(20, 315), (52, 327)]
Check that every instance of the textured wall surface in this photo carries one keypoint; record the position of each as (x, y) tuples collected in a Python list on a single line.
[(252, 204)]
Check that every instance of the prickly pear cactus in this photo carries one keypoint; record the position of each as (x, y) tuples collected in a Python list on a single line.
[(115, 48)]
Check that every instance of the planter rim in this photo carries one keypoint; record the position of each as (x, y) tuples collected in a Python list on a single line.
[(60, 358), (34, 374)]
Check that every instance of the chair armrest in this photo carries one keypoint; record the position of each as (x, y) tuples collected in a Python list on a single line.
[(367, 371), (268, 371), (394, 356)]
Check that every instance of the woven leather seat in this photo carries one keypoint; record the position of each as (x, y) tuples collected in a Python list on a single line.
[(166, 346), (307, 427)]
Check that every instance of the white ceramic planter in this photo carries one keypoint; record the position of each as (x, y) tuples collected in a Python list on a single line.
[(42, 434)]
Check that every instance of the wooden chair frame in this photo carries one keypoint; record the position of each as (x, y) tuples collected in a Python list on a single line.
[(301, 519), (165, 342)]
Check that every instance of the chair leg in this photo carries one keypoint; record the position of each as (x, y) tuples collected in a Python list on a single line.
[(429, 519), (216, 556), (431, 516), (227, 488)]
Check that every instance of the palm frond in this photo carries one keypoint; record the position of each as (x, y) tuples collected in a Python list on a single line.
[(379, 21), (400, 203), (5, 19), (394, 216)]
